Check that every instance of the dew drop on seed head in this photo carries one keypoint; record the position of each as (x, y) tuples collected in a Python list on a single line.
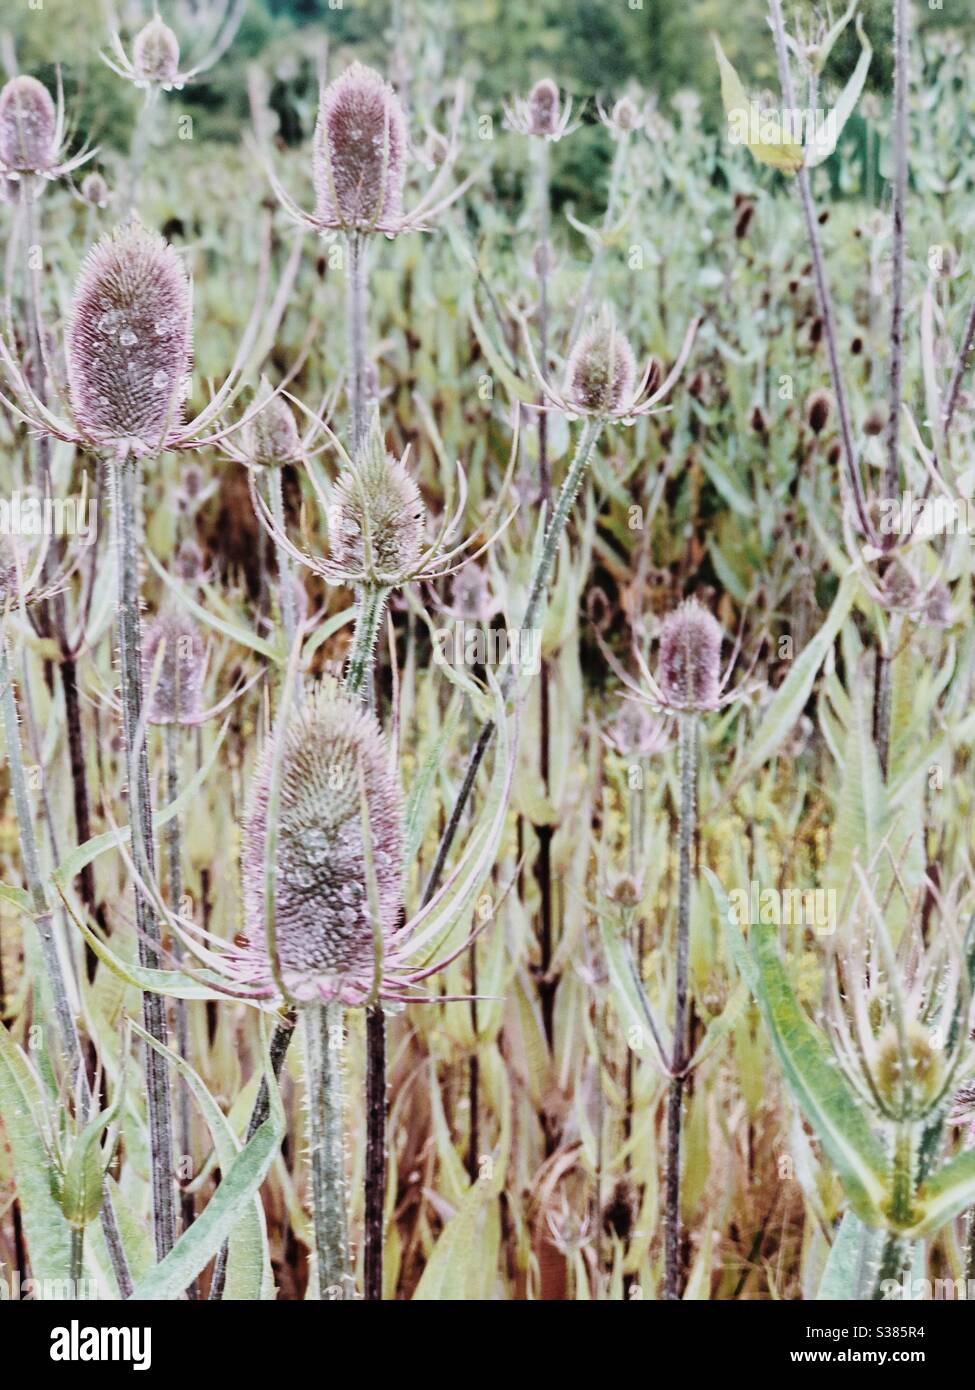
[(127, 338), (159, 379)]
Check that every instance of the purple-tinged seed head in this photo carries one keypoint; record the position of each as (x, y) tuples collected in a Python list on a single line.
[(543, 108), (689, 662), (899, 587), (334, 752), (155, 54), (28, 123), (379, 491), (359, 159), (271, 439), (95, 191), (174, 692), (626, 114), (601, 370), (129, 341)]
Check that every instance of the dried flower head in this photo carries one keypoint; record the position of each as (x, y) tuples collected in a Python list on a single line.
[(188, 563), (600, 374), (32, 132), (334, 755), (173, 668), (541, 114), (272, 440), (359, 161), (128, 341), (127, 349), (154, 64), (95, 191), (376, 523), (909, 1071), (155, 55), (601, 370), (28, 121), (689, 660), (625, 117), (376, 506)]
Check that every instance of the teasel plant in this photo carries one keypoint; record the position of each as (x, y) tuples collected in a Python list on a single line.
[(881, 1070), (689, 685), (600, 388), (21, 584), (359, 168), (154, 67), (376, 526), (127, 351)]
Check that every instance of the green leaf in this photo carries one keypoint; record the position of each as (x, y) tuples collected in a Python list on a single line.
[(216, 1223), (22, 1112), (821, 1091), (776, 151), (850, 1258), (944, 1195), (248, 1261), (787, 704)]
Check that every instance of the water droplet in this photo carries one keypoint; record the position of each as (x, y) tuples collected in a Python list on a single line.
[(127, 337), (108, 323), (160, 379)]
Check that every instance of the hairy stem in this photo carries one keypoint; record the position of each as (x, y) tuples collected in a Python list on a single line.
[(822, 287), (899, 142), (125, 480), (324, 1045), (687, 727), (356, 328), (553, 534), (375, 1175), (174, 856), (285, 592)]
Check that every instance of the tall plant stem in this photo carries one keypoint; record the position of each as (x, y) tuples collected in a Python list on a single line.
[(44, 923), (687, 727), (174, 855), (961, 366), (356, 328), (616, 174), (138, 150), (822, 287), (371, 609), (125, 483), (286, 596), (899, 142), (324, 1045), (536, 593)]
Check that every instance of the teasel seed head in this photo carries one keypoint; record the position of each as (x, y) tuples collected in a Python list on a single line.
[(818, 408), (359, 160), (188, 563), (626, 115), (28, 124), (377, 491), (155, 54), (334, 752), (271, 440), (543, 107), (923, 1074), (899, 588), (689, 666), (8, 572), (174, 692), (129, 341), (95, 191), (601, 370)]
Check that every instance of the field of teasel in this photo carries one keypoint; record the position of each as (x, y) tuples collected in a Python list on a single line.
[(486, 662)]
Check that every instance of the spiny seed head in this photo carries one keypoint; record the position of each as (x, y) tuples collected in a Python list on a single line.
[(543, 108), (8, 571), (94, 190), (601, 369), (899, 587), (924, 1070), (818, 409), (28, 122), (155, 54), (378, 491), (271, 439), (128, 340), (626, 115), (689, 665), (174, 691), (334, 753), (359, 159)]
